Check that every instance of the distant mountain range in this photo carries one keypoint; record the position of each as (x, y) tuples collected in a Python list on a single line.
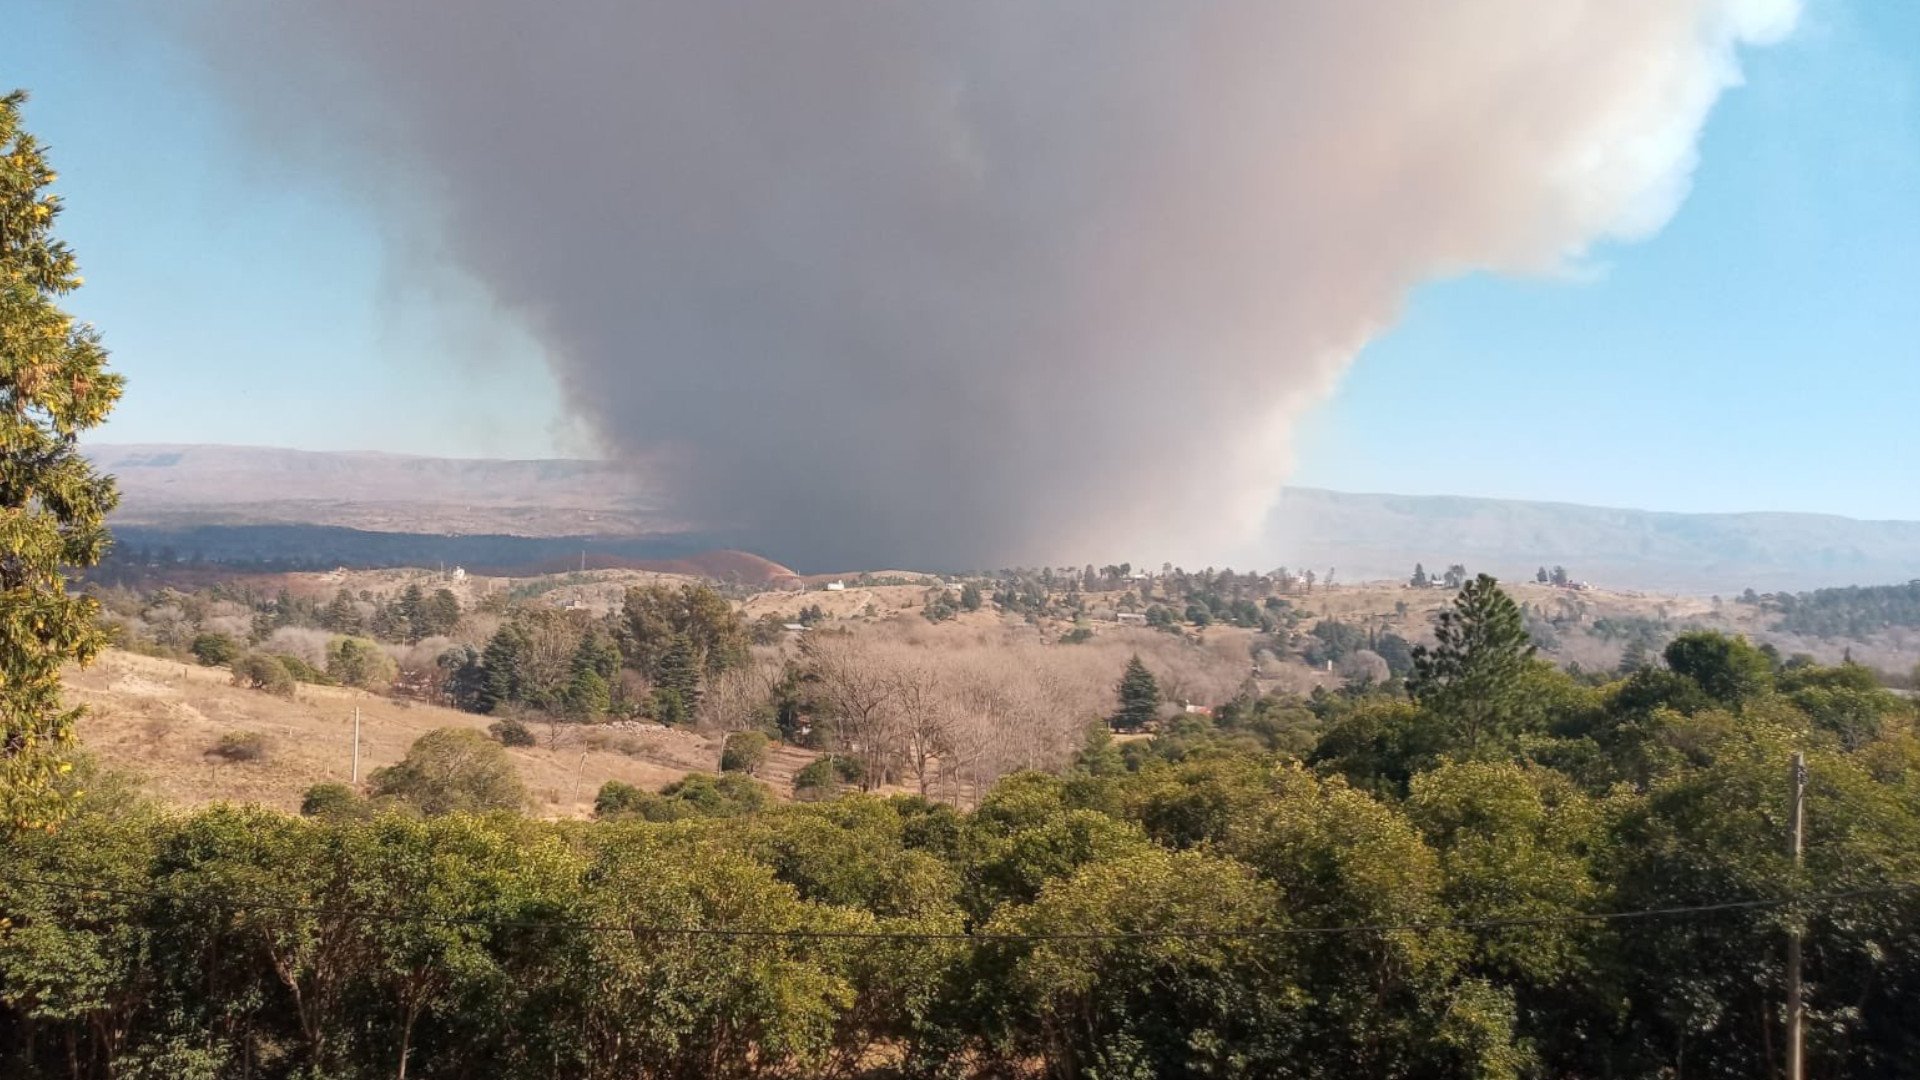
[(205, 495), (245, 485), (1375, 536)]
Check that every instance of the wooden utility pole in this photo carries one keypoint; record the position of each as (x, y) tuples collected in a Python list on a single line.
[(1796, 1006), (356, 746), (579, 775)]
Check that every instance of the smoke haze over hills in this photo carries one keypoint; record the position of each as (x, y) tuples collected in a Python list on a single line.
[(558, 509), (1060, 277)]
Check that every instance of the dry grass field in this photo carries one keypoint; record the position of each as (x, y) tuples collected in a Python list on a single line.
[(161, 720)]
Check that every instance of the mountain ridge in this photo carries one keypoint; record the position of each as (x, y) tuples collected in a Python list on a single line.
[(1361, 535)]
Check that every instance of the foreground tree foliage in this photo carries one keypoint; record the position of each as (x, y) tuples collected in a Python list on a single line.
[(1355, 885), (53, 506)]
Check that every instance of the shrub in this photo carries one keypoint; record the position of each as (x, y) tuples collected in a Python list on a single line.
[(258, 671), (303, 671), (745, 752), (451, 770), (701, 795), (511, 731), (818, 780), (332, 800), (697, 795), (242, 746), (214, 650), (618, 798), (359, 662)]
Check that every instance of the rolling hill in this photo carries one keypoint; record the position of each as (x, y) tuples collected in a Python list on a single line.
[(391, 509)]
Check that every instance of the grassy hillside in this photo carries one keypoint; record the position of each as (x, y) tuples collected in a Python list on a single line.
[(160, 720)]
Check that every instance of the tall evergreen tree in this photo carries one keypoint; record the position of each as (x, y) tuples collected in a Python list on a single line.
[(53, 505), (1472, 677), (440, 614), (1139, 697), (342, 615), (412, 611), (653, 615), (676, 683), (502, 664), (465, 678), (1635, 657), (589, 690)]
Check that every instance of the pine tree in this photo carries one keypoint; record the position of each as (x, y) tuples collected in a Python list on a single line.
[(412, 612), (342, 615), (1635, 657), (440, 614), (501, 663), (596, 661), (53, 506), (1473, 676), (1420, 579), (676, 683), (1139, 697), (465, 678), (588, 695)]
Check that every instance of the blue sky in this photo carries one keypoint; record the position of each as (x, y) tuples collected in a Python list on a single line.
[(1761, 353)]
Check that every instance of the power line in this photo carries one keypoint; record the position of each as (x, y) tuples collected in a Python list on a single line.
[(640, 929)]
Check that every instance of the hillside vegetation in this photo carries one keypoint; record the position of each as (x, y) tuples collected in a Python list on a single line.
[(1382, 884), (954, 684)]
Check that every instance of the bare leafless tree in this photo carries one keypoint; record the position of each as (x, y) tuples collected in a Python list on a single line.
[(737, 699), (857, 692), (926, 713)]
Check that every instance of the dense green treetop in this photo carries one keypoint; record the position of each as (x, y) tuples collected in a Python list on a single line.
[(53, 506)]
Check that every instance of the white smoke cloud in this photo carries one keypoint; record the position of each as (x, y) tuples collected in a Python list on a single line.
[(966, 284)]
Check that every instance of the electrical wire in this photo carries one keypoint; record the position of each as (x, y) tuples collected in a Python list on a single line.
[(1188, 933)]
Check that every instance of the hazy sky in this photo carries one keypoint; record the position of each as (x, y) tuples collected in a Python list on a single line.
[(1762, 351)]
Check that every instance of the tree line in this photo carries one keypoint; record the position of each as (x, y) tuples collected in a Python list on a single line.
[(653, 658), (1858, 612), (1360, 883)]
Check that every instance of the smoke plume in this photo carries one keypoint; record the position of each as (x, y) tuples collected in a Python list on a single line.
[(974, 283)]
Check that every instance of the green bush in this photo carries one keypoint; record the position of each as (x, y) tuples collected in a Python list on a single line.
[(332, 799), (258, 671), (242, 746), (818, 780), (451, 770), (358, 662), (214, 650), (701, 795), (697, 795), (303, 671), (745, 752), (618, 798), (511, 731)]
